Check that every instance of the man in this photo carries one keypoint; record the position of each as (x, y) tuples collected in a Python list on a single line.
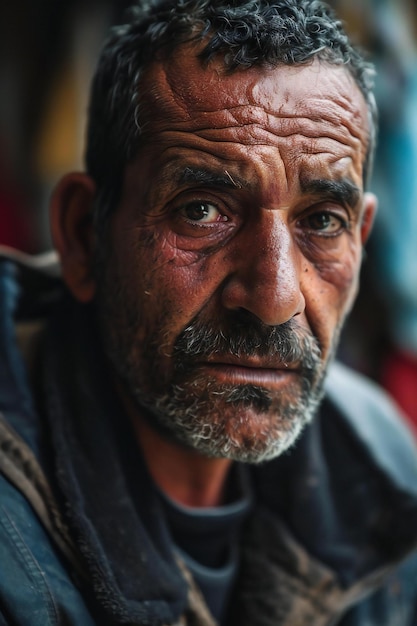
[(169, 470)]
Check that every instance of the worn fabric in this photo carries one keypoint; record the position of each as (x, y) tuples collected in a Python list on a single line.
[(331, 539)]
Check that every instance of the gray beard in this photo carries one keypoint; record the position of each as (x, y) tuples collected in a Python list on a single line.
[(199, 412), (194, 422)]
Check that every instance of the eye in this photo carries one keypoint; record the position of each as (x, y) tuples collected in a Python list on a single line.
[(202, 213), (325, 223)]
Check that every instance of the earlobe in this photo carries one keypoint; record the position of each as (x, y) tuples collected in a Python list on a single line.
[(370, 208), (72, 232)]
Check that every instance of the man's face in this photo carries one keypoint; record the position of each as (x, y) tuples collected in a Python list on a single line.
[(235, 250)]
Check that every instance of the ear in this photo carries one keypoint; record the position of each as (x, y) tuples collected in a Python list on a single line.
[(369, 212), (72, 232)]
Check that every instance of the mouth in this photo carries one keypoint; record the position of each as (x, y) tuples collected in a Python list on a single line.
[(261, 372)]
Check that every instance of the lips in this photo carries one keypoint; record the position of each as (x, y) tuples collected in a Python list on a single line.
[(252, 362), (250, 370)]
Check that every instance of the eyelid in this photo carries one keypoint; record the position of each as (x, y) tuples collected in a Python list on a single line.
[(344, 221), (334, 206), (200, 203), (178, 206), (204, 196)]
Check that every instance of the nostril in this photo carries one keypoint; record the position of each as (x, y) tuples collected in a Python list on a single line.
[(267, 303)]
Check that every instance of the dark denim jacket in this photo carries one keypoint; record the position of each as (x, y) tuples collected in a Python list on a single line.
[(332, 539)]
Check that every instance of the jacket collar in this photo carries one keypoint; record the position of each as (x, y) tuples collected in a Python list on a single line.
[(111, 503)]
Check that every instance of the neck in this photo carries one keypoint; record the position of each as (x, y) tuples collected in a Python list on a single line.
[(181, 473)]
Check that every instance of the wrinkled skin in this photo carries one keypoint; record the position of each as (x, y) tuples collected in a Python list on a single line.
[(244, 209)]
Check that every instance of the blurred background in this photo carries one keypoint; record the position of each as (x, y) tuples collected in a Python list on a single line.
[(48, 51)]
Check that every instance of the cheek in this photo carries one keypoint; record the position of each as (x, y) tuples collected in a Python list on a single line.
[(171, 284), (338, 268), (340, 280), (330, 288)]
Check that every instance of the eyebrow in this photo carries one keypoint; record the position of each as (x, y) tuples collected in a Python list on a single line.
[(201, 176), (343, 190)]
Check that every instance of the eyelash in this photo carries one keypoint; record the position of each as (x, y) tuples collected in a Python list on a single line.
[(222, 216), (344, 223)]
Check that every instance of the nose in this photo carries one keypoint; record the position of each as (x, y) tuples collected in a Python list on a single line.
[(265, 275)]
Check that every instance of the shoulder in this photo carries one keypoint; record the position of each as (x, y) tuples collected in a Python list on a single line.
[(35, 586), (393, 604), (376, 422)]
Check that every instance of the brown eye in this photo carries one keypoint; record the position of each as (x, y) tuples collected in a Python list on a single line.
[(324, 222), (202, 212)]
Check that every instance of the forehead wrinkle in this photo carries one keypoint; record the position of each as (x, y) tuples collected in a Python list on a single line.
[(158, 93), (268, 127), (268, 138), (281, 125), (221, 148), (189, 105)]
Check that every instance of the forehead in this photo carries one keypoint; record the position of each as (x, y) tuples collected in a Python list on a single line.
[(304, 109)]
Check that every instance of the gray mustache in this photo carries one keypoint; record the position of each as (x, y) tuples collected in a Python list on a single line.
[(288, 342)]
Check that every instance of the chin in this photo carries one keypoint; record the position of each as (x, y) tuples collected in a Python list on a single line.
[(245, 449), (245, 425)]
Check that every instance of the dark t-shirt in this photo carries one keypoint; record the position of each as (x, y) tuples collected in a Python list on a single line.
[(207, 539)]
